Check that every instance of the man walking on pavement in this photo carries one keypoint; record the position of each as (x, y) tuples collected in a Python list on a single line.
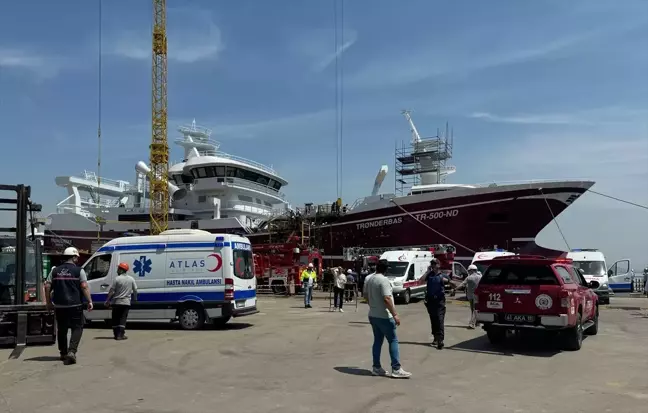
[(308, 278), (471, 282), (120, 297), (384, 320), (436, 303), (65, 287)]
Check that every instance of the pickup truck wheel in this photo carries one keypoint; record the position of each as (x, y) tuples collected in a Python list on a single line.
[(496, 335), (192, 317), (407, 297), (593, 330), (574, 336)]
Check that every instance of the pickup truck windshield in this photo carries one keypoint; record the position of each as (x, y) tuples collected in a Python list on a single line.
[(519, 274)]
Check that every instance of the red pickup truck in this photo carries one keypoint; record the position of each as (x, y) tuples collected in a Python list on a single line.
[(533, 292)]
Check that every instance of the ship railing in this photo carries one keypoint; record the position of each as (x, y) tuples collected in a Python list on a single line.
[(92, 176), (194, 129), (109, 203), (524, 182), (253, 185), (245, 161), (249, 207), (74, 209)]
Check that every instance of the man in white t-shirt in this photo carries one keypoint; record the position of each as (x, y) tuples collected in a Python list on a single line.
[(384, 320)]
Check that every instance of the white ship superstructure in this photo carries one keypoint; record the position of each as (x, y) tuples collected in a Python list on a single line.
[(207, 185)]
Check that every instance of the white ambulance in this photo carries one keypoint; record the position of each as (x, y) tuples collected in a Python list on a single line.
[(191, 276), (405, 272), (591, 262), (483, 256)]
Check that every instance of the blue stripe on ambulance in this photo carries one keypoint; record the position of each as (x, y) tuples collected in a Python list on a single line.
[(174, 297), (622, 286)]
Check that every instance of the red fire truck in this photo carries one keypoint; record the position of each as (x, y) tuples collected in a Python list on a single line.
[(276, 266)]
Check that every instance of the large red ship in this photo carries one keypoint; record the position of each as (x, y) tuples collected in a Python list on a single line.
[(218, 192)]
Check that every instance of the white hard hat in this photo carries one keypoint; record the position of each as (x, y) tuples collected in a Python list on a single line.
[(310, 265), (71, 252), (349, 271), (472, 267)]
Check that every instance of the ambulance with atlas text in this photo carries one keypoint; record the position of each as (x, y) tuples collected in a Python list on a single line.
[(186, 275)]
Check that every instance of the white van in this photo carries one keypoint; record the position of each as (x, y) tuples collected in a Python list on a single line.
[(592, 264), (405, 272), (483, 256), (192, 276)]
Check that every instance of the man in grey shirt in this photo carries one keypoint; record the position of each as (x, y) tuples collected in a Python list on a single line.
[(120, 297), (471, 282), (383, 319)]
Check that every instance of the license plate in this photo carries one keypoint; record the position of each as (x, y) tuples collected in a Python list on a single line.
[(498, 305), (519, 318), (240, 303)]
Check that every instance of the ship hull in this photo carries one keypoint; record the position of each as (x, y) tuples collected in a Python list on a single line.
[(507, 216)]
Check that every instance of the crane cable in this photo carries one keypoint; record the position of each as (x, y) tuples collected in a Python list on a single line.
[(337, 100), (99, 227), (553, 218), (619, 199), (338, 28)]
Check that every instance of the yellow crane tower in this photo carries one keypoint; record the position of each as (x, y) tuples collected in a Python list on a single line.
[(159, 149)]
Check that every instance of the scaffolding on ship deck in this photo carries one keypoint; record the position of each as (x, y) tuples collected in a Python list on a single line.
[(407, 163)]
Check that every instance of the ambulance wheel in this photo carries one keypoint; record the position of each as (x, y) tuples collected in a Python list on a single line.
[(407, 297), (191, 317)]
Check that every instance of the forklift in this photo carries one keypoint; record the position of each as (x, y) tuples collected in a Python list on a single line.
[(24, 316)]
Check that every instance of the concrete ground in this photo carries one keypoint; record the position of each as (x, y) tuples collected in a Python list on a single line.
[(288, 359)]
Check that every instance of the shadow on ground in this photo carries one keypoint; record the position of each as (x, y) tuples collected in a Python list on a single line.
[(162, 326), (354, 371), (515, 345)]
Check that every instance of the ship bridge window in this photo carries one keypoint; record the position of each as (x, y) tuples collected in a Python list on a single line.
[(186, 179), (245, 198), (233, 172)]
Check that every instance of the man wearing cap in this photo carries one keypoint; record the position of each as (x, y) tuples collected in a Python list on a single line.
[(471, 282), (65, 287), (119, 297), (435, 302), (308, 278)]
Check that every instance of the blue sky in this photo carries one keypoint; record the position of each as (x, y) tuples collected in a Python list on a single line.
[(533, 90)]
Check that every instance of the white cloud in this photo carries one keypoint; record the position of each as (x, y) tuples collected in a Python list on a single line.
[(465, 52), (318, 46), (613, 115), (192, 36), (37, 64), (276, 128)]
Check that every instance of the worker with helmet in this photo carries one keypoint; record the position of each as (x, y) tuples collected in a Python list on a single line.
[(435, 302), (119, 297), (470, 283), (308, 278), (65, 287)]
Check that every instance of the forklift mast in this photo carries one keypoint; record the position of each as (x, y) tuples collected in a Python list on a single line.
[(22, 321)]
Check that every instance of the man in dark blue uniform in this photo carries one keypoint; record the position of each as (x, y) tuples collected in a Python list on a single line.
[(65, 287), (435, 302)]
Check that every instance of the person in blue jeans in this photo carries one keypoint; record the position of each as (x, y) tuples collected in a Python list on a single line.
[(384, 320), (308, 278)]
